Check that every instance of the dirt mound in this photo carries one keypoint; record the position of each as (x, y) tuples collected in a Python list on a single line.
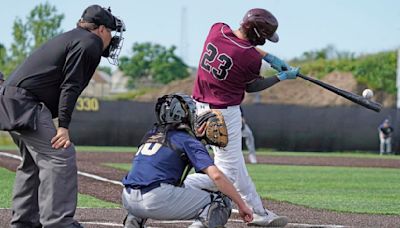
[(293, 92), (181, 86)]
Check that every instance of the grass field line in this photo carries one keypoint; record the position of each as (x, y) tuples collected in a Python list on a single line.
[(93, 176), (5, 154)]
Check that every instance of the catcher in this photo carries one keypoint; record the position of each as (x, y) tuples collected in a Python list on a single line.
[(166, 154)]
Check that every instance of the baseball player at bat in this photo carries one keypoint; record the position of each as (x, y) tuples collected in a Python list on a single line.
[(230, 66), (153, 185)]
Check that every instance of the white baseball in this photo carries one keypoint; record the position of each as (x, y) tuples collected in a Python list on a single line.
[(367, 93)]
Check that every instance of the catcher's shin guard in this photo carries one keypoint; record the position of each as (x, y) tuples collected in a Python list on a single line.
[(218, 211)]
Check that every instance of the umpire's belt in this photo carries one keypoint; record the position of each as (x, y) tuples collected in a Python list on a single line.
[(143, 189)]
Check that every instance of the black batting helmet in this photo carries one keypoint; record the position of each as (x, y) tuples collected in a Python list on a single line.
[(259, 25)]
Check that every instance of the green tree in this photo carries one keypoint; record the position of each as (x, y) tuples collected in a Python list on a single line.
[(5, 68), (3, 56), (377, 71), (41, 24), (154, 62)]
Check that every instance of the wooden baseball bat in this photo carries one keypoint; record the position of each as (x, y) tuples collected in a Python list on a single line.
[(348, 95)]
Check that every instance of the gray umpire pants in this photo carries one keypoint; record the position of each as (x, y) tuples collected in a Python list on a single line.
[(45, 189), (166, 202)]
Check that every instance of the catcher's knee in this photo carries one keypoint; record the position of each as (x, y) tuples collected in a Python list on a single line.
[(217, 213)]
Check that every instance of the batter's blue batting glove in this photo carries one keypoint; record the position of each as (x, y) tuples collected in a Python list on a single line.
[(276, 63), (291, 73)]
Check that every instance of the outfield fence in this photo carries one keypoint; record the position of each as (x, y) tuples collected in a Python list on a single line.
[(281, 127)]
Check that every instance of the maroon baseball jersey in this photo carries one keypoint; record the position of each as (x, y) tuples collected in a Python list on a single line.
[(226, 65)]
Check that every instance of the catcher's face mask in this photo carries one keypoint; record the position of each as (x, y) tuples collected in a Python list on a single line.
[(114, 48), (176, 109)]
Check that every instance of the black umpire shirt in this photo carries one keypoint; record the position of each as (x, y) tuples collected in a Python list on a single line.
[(59, 70)]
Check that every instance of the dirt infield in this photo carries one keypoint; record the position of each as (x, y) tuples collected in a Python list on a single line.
[(299, 216)]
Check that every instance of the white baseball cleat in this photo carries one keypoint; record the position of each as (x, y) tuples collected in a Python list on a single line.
[(252, 158), (269, 219)]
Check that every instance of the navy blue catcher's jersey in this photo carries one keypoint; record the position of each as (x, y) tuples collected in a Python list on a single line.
[(155, 162)]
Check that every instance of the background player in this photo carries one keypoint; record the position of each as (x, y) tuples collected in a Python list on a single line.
[(385, 137), (152, 187), (248, 136), (230, 65)]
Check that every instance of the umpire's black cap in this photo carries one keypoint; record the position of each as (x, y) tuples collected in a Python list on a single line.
[(100, 16)]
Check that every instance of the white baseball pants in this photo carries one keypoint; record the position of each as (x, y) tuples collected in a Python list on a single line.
[(230, 161)]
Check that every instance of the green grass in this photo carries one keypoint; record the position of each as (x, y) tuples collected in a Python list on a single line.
[(261, 151), (349, 154), (9, 147), (120, 166), (5, 138), (7, 181), (358, 190), (361, 190)]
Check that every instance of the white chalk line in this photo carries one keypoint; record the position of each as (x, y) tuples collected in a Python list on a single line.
[(96, 177)]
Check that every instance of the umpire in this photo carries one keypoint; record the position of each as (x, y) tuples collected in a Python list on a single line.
[(45, 86)]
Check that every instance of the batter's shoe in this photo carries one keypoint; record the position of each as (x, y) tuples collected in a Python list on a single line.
[(269, 219), (252, 158)]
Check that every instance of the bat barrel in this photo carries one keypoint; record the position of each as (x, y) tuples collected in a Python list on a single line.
[(348, 95)]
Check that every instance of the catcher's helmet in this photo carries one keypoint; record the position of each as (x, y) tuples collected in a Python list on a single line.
[(259, 25), (176, 109)]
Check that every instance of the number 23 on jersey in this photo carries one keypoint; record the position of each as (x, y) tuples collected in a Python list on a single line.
[(211, 55)]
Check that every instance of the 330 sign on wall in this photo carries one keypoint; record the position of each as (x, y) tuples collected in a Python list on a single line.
[(88, 104)]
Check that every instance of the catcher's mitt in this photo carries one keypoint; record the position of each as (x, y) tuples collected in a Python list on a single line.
[(211, 128)]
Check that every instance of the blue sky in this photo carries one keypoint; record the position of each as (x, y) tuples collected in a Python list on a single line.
[(360, 26)]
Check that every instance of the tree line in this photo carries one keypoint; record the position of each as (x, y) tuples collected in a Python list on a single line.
[(153, 61), (160, 64)]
